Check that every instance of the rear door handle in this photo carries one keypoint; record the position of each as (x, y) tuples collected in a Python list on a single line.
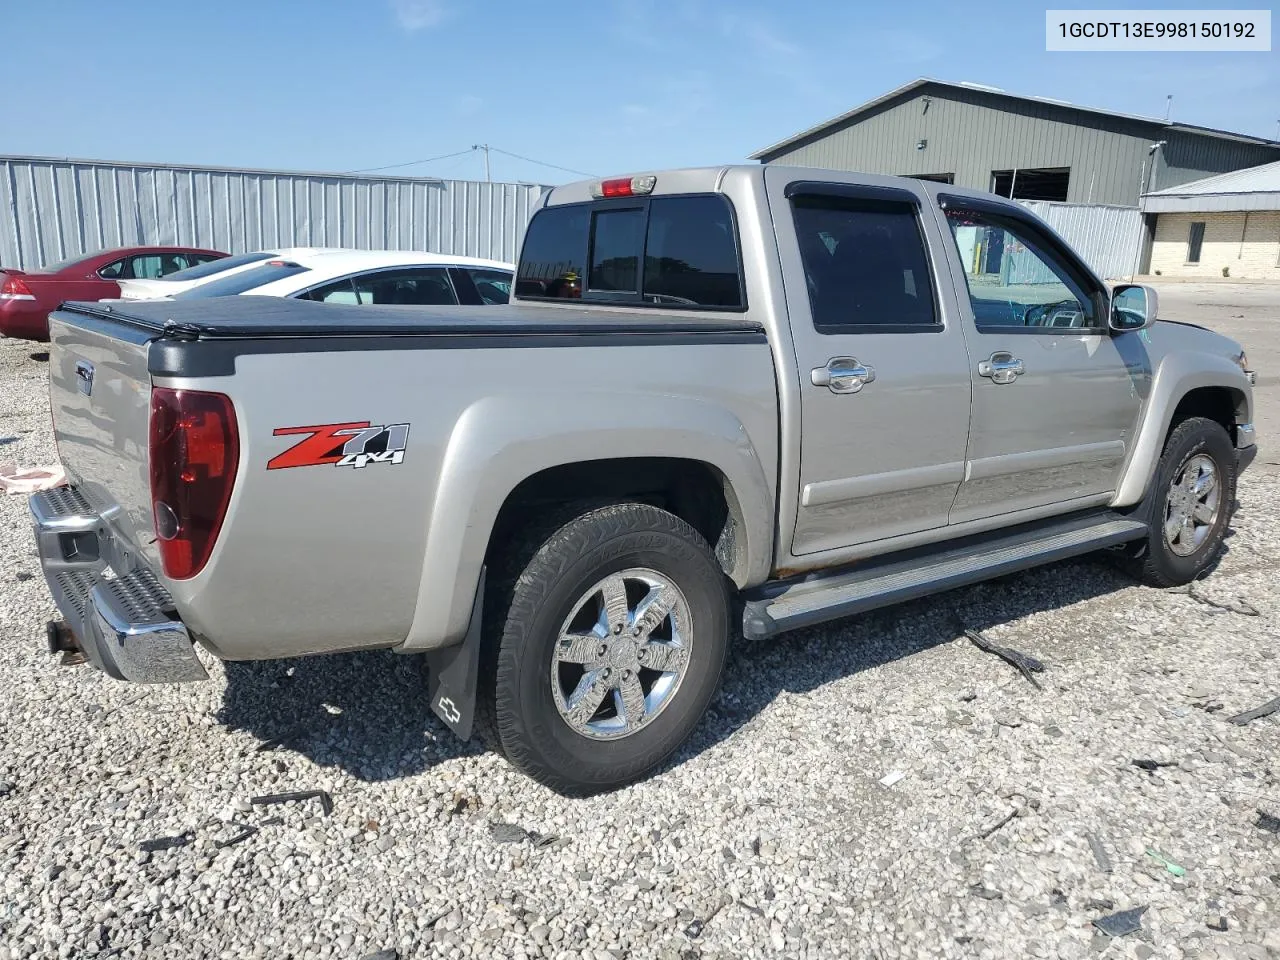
[(1003, 367), (843, 375)]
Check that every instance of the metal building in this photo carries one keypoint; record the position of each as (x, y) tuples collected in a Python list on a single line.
[(1030, 148), (52, 209)]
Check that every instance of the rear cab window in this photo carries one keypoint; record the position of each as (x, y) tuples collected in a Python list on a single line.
[(677, 251)]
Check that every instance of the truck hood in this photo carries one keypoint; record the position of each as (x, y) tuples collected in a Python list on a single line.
[(1181, 335)]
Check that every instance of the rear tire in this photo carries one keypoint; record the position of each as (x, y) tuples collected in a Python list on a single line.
[(611, 641), (1192, 496)]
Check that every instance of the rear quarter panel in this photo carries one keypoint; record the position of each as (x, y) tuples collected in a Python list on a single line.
[(325, 558)]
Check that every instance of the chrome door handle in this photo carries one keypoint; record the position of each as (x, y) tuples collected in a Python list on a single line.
[(842, 375), (1003, 367)]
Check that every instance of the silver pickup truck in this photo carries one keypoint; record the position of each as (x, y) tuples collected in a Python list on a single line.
[(735, 399)]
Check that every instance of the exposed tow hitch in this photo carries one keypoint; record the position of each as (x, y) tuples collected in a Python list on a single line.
[(62, 640)]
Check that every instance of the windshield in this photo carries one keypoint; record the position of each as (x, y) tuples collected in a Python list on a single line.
[(243, 281), (200, 271)]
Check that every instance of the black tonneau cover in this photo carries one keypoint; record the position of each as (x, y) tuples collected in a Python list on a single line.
[(249, 317), (203, 337)]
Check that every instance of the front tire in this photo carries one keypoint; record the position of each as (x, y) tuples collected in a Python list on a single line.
[(611, 646), (1193, 494)]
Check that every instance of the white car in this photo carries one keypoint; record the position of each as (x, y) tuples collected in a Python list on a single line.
[(367, 276), (158, 288)]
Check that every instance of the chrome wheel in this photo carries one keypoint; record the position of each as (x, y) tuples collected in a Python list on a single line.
[(1192, 506), (621, 654)]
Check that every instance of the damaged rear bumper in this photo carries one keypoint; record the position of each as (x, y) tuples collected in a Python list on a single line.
[(121, 617)]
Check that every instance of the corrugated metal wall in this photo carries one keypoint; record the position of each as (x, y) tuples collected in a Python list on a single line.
[(970, 133), (1107, 238), (54, 209)]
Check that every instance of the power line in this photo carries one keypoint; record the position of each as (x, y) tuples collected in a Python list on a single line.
[(473, 149), (414, 163), (580, 173)]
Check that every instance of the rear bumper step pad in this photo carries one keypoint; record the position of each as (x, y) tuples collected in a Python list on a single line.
[(125, 623)]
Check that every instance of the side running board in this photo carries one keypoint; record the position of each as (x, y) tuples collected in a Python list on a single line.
[(898, 578)]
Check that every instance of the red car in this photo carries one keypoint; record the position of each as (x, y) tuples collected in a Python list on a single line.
[(27, 298)]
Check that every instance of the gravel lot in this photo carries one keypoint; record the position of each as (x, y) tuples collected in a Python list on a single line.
[(769, 835)]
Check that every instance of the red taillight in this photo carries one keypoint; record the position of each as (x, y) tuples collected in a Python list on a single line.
[(14, 289), (194, 447), (624, 187)]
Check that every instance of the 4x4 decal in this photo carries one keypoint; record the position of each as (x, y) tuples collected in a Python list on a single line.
[(355, 444)]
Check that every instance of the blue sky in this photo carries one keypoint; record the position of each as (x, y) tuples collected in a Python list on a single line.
[(599, 87)]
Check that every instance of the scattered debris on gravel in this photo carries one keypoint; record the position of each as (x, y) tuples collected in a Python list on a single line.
[(1019, 823)]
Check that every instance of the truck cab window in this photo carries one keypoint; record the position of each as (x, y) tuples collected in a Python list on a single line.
[(1015, 279), (551, 258), (864, 264)]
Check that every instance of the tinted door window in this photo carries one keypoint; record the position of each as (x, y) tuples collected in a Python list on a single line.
[(421, 286), (493, 286), (1016, 279), (864, 263), (340, 291), (112, 271), (147, 267)]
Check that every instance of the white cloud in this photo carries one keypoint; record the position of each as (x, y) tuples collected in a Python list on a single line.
[(414, 15)]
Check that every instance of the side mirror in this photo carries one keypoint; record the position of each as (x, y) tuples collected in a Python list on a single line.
[(1134, 306)]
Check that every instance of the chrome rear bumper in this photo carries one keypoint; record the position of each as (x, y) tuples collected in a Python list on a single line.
[(122, 616)]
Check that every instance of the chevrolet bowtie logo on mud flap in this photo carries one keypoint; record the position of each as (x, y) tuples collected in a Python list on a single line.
[(343, 445)]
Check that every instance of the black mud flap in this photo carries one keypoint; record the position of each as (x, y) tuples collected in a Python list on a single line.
[(452, 673)]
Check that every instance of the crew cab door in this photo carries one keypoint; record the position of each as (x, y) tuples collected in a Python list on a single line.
[(1055, 402), (884, 386)]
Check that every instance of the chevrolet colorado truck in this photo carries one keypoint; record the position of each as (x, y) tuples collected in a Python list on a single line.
[(743, 399)]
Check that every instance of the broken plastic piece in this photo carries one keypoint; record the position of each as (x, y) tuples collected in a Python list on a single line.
[(1257, 713), (986, 893), (1151, 766), (1121, 924), (15, 479), (1176, 869), (889, 779), (240, 837), (326, 802), (997, 825), (1026, 664), (164, 843)]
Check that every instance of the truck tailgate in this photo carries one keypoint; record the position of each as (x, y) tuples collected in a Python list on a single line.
[(99, 392)]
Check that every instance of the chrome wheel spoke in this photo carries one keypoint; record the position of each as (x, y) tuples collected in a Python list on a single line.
[(1205, 483), (581, 648), (631, 695), (614, 592), (588, 695), (1173, 528), (663, 657), (1204, 513), (652, 610)]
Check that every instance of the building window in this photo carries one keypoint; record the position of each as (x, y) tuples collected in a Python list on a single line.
[(1049, 183), (1194, 241), (935, 177)]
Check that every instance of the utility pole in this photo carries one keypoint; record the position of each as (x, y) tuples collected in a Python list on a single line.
[(1168, 106), (485, 148)]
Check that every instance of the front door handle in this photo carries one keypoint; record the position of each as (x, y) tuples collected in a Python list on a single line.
[(843, 375), (1003, 367)]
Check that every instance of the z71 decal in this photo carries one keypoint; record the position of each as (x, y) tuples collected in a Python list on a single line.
[(343, 445)]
